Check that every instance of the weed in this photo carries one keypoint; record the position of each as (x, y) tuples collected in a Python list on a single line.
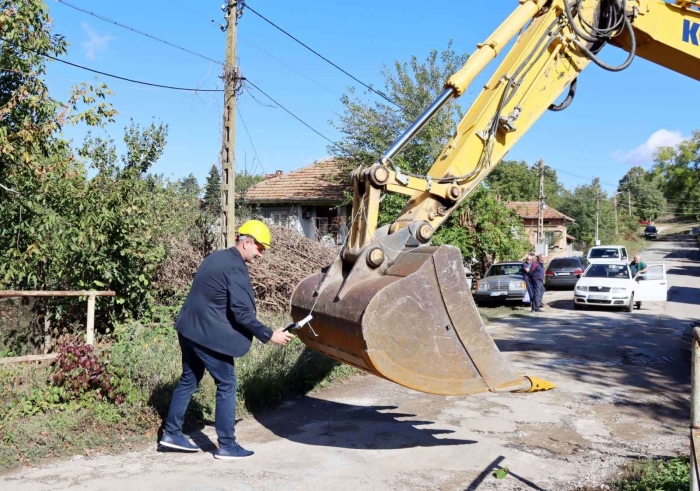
[(658, 475)]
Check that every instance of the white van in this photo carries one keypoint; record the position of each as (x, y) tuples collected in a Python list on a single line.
[(607, 254)]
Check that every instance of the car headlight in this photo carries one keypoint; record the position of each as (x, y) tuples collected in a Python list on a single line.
[(582, 288), (483, 286), (619, 290), (516, 285)]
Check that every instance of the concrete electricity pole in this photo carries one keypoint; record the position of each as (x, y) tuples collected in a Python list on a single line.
[(540, 208), (597, 213), (615, 204), (232, 81)]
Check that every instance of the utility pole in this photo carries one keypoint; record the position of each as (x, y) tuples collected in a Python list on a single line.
[(597, 213), (540, 208), (615, 203), (232, 81)]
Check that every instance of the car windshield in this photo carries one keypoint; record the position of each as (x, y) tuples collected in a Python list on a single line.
[(564, 263), (608, 271), (650, 228), (604, 253), (504, 269)]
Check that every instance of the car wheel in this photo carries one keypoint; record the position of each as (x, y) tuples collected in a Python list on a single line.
[(631, 304), (577, 306)]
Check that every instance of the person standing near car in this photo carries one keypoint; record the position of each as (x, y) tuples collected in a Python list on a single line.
[(540, 260), (526, 267), (637, 265), (537, 281)]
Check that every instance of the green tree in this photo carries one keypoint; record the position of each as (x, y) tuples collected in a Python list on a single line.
[(644, 188), (212, 192), (516, 181), (485, 230), (370, 128), (189, 186), (581, 206), (679, 171)]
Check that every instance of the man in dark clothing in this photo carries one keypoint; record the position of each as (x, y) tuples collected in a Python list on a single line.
[(536, 278), (540, 259), (527, 265), (217, 322)]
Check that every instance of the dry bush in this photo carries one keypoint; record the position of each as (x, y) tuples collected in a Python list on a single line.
[(175, 275), (291, 259)]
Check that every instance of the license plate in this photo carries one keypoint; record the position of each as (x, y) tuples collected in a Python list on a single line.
[(562, 274), (496, 294), (598, 297)]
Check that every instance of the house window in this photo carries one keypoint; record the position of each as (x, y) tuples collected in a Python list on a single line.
[(321, 226), (279, 218)]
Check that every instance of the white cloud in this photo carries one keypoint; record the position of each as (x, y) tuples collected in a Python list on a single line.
[(95, 43), (644, 153)]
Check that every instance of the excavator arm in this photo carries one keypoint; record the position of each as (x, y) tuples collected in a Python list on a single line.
[(398, 307)]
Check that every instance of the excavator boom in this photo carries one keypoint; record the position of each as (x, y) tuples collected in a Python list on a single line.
[(394, 305)]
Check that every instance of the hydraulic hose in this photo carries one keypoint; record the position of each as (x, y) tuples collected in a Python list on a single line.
[(569, 98)]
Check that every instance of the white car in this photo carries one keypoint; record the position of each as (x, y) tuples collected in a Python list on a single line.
[(611, 285)]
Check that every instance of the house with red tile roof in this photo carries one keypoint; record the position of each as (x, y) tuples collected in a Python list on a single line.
[(555, 224), (313, 200)]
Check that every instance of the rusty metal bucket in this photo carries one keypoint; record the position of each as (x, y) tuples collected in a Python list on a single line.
[(415, 323)]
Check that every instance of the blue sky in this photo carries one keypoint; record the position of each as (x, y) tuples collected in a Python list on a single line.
[(616, 121)]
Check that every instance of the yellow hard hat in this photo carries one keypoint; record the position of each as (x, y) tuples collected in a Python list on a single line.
[(257, 230)]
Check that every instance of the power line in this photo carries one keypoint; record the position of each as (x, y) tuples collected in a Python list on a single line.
[(255, 152), (289, 66), (105, 19), (378, 92), (291, 113), (119, 77), (194, 11)]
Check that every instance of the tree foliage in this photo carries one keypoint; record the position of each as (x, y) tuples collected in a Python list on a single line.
[(517, 181), (370, 128), (679, 171), (644, 188)]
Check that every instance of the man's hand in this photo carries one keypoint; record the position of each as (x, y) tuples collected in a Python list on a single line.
[(280, 337)]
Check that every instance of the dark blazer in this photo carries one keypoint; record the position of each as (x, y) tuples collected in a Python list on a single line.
[(537, 272), (219, 311)]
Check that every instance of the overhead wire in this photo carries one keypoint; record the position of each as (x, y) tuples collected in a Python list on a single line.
[(106, 74), (255, 151), (248, 82), (369, 87), (123, 26)]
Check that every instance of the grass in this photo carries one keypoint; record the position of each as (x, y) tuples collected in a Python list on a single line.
[(149, 358), (664, 474)]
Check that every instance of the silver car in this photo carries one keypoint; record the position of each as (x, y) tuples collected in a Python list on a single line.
[(503, 282)]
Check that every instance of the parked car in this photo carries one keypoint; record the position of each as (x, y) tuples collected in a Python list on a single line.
[(607, 253), (564, 271), (612, 285), (503, 282), (651, 233)]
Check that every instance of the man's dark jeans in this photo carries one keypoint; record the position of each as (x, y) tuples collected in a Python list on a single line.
[(538, 289), (195, 358)]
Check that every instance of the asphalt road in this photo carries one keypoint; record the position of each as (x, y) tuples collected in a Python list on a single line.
[(622, 392)]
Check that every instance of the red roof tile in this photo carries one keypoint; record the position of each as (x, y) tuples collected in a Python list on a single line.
[(528, 209), (319, 182)]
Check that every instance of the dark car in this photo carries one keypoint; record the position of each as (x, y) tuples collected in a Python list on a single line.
[(651, 233), (503, 282), (564, 271)]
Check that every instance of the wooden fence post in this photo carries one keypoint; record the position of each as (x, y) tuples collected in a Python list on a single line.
[(91, 320)]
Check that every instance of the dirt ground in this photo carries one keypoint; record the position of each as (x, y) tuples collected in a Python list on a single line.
[(623, 390)]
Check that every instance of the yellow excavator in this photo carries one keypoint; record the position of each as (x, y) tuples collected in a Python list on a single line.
[(395, 306)]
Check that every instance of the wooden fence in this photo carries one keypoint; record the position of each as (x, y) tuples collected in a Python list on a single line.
[(90, 325)]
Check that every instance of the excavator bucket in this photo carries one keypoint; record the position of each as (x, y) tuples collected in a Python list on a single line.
[(414, 324)]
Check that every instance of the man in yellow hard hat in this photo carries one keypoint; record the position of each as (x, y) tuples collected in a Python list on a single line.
[(217, 322)]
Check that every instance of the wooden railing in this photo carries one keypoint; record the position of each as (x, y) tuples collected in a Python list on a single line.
[(89, 327)]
